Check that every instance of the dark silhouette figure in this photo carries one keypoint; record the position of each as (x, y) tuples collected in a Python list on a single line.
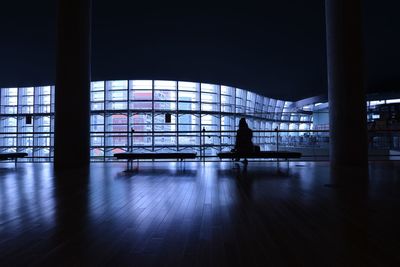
[(244, 143)]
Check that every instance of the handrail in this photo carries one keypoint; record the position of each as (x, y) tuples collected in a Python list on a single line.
[(204, 141)]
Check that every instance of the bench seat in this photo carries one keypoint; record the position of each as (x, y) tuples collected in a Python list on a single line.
[(155, 155), (152, 155), (260, 155), (12, 155)]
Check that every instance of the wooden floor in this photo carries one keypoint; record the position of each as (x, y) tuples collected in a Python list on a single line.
[(195, 214)]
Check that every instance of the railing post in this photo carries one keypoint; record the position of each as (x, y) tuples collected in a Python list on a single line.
[(131, 144), (200, 145), (204, 144), (277, 139)]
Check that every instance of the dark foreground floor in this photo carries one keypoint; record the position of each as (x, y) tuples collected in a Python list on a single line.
[(169, 214)]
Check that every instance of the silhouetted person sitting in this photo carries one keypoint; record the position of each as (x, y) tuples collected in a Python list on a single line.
[(243, 139)]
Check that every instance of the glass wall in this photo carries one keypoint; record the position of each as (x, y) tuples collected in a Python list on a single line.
[(26, 121), (145, 116)]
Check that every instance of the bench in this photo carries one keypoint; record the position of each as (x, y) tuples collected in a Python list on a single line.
[(13, 156), (137, 156), (260, 155)]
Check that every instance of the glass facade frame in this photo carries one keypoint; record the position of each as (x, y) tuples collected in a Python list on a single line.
[(165, 116)]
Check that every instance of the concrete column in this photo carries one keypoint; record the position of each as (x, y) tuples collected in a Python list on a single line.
[(347, 101), (72, 93)]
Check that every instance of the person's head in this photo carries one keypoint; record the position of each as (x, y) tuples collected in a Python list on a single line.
[(243, 124)]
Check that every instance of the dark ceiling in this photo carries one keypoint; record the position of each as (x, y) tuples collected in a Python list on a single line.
[(277, 50)]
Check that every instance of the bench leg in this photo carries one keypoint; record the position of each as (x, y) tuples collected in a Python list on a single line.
[(183, 164), (129, 166)]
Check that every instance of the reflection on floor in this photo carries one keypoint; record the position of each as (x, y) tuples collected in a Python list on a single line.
[(195, 214)]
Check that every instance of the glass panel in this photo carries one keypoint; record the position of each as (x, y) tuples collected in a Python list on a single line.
[(240, 101), (9, 100), (97, 140), (168, 134), (43, 99), (116, 105), (165, 105), (141, 95), (141, 105), (118, 95), (164, 95), (189, 128), (210, 97), (26, 100), (188, 101), (258, 106), (250, 102), (97, 96), (141, 84), (228, 138), (188, 86), (210, 122), (210, 88), (392, 101), (166, 85), (377, 102), (141, 122), (8, 124), (116, 128), (115, 85), (97, 152), (97, 86), (97, 123), (227, 99)]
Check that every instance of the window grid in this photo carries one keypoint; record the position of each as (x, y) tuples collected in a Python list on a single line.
[(119, 106)]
